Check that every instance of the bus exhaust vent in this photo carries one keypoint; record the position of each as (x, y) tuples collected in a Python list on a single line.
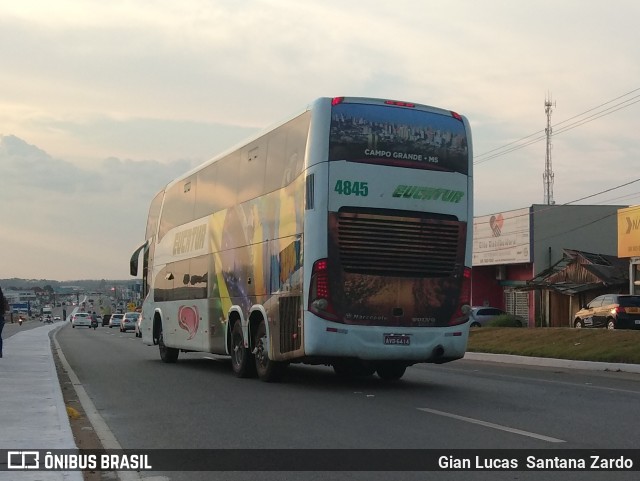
[(290, 330), (400, 244)]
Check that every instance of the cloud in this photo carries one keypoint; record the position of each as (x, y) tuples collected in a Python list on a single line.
[(62, 218), (131, 94)]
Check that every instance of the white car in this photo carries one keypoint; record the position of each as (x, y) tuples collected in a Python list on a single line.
[(81, 319)]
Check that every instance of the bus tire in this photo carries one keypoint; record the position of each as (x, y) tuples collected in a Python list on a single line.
[(167, 354), (391, 370), (242, 360), (267, 370)]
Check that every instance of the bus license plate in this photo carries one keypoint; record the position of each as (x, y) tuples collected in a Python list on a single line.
[(397, 339)]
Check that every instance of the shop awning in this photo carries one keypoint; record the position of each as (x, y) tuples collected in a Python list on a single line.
[(579, 272)]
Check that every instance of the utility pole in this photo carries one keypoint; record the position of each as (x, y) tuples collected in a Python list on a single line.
[(547, 176)]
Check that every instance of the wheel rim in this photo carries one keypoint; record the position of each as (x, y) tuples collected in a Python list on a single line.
[(238, 349), (261, 355), (610, 325)]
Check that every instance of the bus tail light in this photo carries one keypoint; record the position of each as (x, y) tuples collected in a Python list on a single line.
[(398, 103), (462, 312), (319, 294)]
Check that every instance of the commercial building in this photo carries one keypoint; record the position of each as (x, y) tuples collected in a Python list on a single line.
[(629, 244), (517, 253)]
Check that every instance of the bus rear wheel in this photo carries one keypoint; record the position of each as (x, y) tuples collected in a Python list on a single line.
[(391, 370), (267, 370), (167, 354), (242, 360)]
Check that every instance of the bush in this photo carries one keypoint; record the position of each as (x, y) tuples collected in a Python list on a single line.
[(505, 320)]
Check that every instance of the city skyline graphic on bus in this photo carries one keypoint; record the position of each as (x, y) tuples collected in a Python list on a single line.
[(398, 136)]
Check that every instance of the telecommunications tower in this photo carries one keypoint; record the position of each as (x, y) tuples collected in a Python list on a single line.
[(547, 176)]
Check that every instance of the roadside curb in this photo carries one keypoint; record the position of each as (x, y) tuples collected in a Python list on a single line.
[(100, 427), (549, 362), (33, 414)]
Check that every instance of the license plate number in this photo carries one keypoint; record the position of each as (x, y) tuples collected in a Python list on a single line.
[(397, 339), (632, 310), (637, 321)]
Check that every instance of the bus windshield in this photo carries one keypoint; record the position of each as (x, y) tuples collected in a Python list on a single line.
[(380, 134)]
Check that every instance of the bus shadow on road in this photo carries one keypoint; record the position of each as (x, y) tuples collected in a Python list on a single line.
[(322, 378)]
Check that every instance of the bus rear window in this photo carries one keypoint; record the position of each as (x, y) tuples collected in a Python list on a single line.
[(388, 135)]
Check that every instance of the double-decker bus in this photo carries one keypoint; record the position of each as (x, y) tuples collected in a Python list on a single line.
[(339, 237)]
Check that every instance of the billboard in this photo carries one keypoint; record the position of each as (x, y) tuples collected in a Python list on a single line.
[(629, 232), (503, 238)]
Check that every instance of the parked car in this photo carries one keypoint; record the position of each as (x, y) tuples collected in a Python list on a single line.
[(481, 316), (115, 319), (128, 321), (613, 311), (81, 319)]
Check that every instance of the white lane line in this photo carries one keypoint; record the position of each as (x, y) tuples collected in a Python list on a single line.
[(493, 426), (98, 423)]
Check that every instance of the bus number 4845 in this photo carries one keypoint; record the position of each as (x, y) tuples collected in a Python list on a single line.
[(346, 187)]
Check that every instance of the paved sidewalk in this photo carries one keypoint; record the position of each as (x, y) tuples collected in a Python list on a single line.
[(32, 411)]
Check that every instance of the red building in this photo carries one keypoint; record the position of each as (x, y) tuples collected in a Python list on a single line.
[(511, 248)]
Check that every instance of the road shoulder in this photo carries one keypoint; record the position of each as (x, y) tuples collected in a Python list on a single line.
[(83, 432)]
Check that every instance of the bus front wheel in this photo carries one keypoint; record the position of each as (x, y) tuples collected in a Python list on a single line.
[(167, 354), (268, 370)]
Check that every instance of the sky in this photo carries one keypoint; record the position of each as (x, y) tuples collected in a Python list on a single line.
[(103, 103)]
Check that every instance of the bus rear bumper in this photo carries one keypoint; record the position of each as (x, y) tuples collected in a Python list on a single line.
[(384, 343)]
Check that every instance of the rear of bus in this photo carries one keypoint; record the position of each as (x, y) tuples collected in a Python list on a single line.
[(387, 237)]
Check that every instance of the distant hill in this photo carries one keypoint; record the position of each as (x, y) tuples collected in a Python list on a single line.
[(57, 286)]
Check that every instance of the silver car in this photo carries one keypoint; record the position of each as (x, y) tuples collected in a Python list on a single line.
[(481, 316), (138, 322), (114, 320), (128, 321)]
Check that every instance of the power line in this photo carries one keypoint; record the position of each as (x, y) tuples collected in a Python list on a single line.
[(566, 203), (601, 105), (560, 123), (603, 192), (539, 135)]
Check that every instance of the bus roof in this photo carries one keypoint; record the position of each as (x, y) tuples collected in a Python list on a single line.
[(311, 106)]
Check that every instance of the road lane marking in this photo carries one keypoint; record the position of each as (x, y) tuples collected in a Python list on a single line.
[(107, 438), (493, 426)]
